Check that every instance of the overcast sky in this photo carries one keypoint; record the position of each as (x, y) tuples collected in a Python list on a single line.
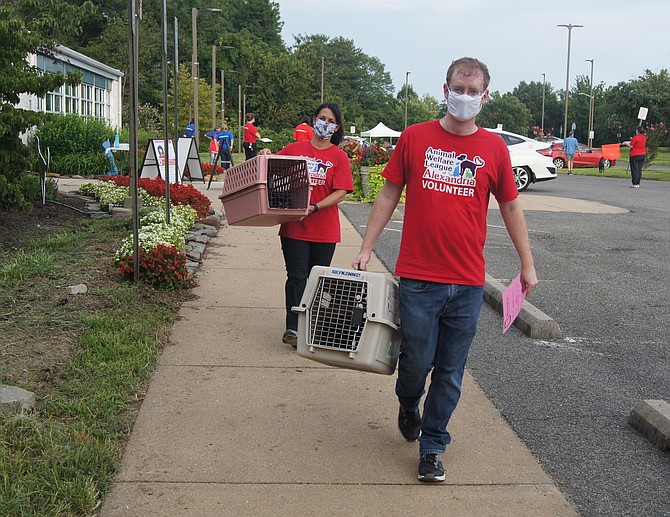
[(518, 40)]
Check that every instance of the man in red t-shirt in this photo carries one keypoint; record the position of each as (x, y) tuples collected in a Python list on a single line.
[(449, 168), (303, 131)]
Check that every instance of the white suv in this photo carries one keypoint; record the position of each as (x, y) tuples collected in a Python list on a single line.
[(528, 164)]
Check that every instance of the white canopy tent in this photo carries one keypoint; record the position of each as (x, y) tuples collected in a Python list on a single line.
[(381, 131)]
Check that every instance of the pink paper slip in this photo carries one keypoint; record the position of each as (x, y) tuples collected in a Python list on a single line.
[(512, 299)]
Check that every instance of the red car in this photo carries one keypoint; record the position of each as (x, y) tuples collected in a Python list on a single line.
[(584, 157)]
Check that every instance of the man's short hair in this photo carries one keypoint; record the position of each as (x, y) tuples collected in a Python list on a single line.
[(469, 66)]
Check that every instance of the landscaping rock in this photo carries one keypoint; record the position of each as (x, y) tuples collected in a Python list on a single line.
[(77, 289), (13, 399)]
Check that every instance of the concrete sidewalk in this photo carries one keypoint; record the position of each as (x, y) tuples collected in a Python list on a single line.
[(236, 423)]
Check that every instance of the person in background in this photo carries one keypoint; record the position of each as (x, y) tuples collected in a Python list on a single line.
[(570, 145), (638, 153), (303, 131), (312, 240), (213, 144), (449, 167), (189, 130), (226, 140), (250, 137)]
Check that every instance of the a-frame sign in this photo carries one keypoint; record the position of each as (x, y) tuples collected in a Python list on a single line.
[(153, 164), (189, 157)]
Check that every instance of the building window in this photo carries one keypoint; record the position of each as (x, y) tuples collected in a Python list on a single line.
[(54, 101), (71, 99), (86, 100)]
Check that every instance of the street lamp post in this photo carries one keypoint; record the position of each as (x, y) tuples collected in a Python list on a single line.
[(570, 26), (544, 83), (323, 59), (223, 47), (591, 106), (194, 64), (406, 77), (223, 94)]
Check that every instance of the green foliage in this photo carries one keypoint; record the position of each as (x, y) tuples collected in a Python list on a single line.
[(21, 192), (507, 110), (71, 134), (85, 164)]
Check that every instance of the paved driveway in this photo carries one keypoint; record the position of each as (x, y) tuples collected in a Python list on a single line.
[(604, 278)]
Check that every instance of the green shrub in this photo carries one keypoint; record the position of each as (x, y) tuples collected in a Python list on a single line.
[(71, 134), (83, 164)]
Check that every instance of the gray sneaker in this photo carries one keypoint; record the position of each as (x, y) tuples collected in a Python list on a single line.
[(290, 337)]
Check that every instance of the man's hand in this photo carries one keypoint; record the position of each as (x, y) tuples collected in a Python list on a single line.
[(361, 261)]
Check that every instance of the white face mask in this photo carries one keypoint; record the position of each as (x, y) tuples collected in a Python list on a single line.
[(464, 107), (323, 129)]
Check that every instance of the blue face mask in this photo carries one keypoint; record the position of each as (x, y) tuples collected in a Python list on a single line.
[(323, 129)]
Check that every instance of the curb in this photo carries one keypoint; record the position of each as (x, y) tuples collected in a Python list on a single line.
[(651, 418), (531, 320)]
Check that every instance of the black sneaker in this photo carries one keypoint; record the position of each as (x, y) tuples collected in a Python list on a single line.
[(409, 423), (290, 337), (431, 469)]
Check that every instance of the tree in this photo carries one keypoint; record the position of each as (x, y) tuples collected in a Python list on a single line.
[(505, 109), (28, 27)]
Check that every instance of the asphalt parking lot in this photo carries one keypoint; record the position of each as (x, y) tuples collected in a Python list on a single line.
[(604, 279)]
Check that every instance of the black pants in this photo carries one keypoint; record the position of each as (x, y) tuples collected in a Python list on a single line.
[(226, 157), (636, 163), (250, 150), (299, 258)]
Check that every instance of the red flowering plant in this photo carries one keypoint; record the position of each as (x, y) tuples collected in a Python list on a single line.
[(372, 155), (163, 267), (180, 194), (208, 167)]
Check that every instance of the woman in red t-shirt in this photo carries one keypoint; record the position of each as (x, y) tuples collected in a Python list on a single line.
[(638, 153), (311, 241), (251, 134)]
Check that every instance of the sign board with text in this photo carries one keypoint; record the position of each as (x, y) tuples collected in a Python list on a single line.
[(155, 160)]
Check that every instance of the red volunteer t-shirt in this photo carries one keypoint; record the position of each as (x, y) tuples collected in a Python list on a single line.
[(448, 179), (638, 145), (329, 169), (303, 132), (249, 133)]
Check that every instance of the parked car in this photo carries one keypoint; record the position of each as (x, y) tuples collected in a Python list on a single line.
[(529, 165), (584, 157)]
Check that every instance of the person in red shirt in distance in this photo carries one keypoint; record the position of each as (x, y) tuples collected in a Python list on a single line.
[(449, 168), (303, 131), (638, 153), (312, 240), (251, 135)]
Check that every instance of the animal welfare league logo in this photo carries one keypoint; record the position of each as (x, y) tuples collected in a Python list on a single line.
[(446, 172)]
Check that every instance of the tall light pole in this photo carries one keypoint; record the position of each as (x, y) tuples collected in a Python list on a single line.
[(570, 26), (544, 83), (591, 106), (406, 77), (223, 47), (323, 59), (194, 64), (223, 95)]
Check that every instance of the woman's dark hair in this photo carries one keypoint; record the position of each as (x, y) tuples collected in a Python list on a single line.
[(640, 130), (339, 134), (249, 116), (307, 120)]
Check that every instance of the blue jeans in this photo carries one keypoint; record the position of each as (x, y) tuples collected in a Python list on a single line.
[(439, 322)]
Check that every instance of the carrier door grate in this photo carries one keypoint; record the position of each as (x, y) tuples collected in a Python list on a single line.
[(288, 183), (338, 313)]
